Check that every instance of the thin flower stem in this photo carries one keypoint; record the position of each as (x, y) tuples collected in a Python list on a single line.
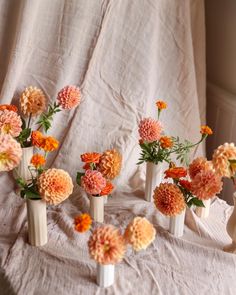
[(30, 116)]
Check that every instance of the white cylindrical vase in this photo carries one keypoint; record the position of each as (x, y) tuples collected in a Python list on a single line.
[(176, 225), (231, 229), (37, 222), (153, 179), (203, 212), (105, 275), (97, 208), (22, 170), (105, 198)]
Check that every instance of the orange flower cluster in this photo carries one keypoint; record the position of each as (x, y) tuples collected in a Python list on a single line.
[(90, 158), (166, 142), (47, 143), (38, 160), (83, 222), (175, 172), (9, 107), (161, 105), (206, 130), (107, 189)]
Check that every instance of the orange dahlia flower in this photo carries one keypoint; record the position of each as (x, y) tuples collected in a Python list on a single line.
[(175, 172), (161, 105), (90, 157), (107, 245), (83, 222), (110, 164), (169, 199), (199, 164), (206, 130), (166, 142), (9, 107), (49, 144), (140, 233), (69, 97), (32, 101), (107, 189), (38, 160), (37, 138)]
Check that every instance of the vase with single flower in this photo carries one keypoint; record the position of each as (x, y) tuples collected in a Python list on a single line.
[(105, 275), (153, 179), (96, 209), (231, 229)]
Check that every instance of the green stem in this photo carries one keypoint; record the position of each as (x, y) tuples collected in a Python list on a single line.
[(29, 120)]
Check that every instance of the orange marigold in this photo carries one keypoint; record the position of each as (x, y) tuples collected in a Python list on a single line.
[(185, 184), (38, 160), (37, 138), (161, 105), (90, 157), (83, 222), (166, 142), (206, 130), (175, 172), (9, 107), (107, 189), (50, 144)]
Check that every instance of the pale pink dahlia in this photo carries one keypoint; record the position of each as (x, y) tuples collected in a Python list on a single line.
[(10, 152), (221, 157), (198, 165), (93, 182), (206, 184), (150, 129), (55, 185), (69, 97), (10, 123)]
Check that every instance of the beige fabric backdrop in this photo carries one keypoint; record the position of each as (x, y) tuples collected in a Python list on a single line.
[(124, 54)]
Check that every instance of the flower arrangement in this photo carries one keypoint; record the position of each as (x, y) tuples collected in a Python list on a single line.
[(157, 147), (100, 169), (32, 105)]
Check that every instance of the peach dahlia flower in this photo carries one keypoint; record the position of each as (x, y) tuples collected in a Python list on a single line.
[(10, 152), (10, 123), (140, 233), (32, 101), (93, 182), (110, 164), (69, 97), (107, 245), (150, 129), (198, 165), (55, 185)]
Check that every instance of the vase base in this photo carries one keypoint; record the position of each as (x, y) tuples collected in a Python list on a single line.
[(230, 248)]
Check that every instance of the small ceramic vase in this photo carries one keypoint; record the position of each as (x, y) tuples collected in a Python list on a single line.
[(153, 179), (22, 170), (176, 225), (97, 208), (231, 229), (105, 275), (203, 212)]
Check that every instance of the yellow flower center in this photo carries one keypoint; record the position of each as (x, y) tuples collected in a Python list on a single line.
[(3, 157), (6, 128)]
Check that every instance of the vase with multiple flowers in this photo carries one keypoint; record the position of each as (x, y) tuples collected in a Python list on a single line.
[(99, 171)]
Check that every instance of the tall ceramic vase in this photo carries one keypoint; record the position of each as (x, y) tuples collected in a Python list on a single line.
[(231, 229), (176, 225), (22, 170), (37, 222), (153, 179), (97, 208), (203, 212), (105, 275)]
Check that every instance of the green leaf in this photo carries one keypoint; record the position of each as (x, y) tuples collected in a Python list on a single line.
[(197, 202), (21, 182), (78, 177), (31, 195)]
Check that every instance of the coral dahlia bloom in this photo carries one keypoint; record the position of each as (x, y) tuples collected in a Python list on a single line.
[(38, 160), (110, 164), (206, 130), (69, 97), (37, 138), (106, 245), (32, 101), (49, 144), (161, 105), (93, 182), (206, 184), (90, 157), (140, 233), (55, 185), (10, 152), (9, 107), (221, 157), (169, 199), (166, 142), (198, 165), (10, 123), (83, 222), (107, 189), (150, 129), (175, 172)]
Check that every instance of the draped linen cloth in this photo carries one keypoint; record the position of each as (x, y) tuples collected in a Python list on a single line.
[(123, 54)]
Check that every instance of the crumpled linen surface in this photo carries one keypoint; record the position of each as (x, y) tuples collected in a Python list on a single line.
[(124, 54)]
